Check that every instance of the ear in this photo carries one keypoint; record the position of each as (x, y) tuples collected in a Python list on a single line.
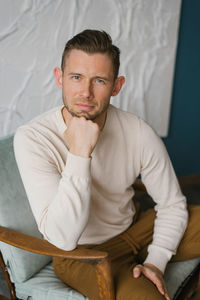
[(58, 76), (118, 85)]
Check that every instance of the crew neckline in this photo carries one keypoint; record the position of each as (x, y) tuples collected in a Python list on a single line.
[(62, 125)]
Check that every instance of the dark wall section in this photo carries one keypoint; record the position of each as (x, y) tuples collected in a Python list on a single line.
[(183, 141)]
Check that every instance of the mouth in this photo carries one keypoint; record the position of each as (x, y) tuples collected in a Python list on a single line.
[(85, 107)]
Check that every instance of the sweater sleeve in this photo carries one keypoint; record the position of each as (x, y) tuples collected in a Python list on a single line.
[(161, 183), (60, 201)]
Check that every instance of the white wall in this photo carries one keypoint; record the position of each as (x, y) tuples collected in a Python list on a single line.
[(32, 37)]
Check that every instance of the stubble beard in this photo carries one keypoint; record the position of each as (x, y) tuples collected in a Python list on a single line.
[(85, 114)]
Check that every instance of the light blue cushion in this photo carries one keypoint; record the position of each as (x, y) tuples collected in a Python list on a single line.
[(177, 272), (15, 213), (45, 285)]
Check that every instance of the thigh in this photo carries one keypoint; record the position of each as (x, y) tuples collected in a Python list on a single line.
[(140, 234), (82, 276), (78, 275), (130, 288)]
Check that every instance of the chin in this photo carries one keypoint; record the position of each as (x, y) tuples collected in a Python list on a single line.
[(83, 114), (87, 116)]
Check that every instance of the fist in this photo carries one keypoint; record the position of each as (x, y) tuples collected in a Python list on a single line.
[(82, 136)]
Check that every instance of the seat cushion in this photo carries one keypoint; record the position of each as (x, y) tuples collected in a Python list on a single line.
[(15, 213), (46, 286), (177, 272)]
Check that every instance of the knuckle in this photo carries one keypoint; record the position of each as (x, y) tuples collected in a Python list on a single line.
[(90, 122)]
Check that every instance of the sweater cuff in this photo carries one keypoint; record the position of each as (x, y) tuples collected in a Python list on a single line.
[(158, 257), (77, 166)]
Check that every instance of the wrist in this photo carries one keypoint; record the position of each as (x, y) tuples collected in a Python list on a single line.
[(80, 152), (158, 257), (153, 267), (77, 166)]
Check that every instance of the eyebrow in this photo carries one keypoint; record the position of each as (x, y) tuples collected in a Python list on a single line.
[(73, 73), (95, 77)]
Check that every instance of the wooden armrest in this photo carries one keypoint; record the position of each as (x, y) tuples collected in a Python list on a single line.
[(98, 259), (40, 246)]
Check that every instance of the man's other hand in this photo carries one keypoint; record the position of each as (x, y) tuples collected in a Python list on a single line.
[(153, 274), (82, 136)]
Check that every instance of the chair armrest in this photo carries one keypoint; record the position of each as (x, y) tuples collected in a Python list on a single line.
[(40, 246), (98, 259)]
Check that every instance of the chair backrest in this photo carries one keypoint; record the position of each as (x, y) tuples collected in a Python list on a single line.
[(15, 213)]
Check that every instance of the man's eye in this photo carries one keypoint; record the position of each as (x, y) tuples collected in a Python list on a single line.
[(98, 80), (76, 77)]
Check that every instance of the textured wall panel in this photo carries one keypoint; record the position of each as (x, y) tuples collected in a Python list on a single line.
[(33, 34)]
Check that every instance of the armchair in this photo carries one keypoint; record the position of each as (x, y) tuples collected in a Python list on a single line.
[(98, 259), (25, 257)]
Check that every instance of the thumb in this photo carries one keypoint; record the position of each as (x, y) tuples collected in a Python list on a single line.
[(137, 271)]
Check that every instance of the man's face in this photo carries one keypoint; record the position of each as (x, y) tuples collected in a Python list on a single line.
[(87, 83)]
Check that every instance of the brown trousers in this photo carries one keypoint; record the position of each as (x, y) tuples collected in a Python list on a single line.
[(126, 250)]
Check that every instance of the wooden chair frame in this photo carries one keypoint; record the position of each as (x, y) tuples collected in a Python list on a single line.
[(99, 260)]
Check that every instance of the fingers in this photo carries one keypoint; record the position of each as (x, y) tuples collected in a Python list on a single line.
[(137, 271), (167, 296), (154, 275), (162, 288)]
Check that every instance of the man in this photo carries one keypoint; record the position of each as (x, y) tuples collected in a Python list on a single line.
[(78, 163)]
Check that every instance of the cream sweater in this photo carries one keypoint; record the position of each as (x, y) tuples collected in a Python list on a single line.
[(78, 200)]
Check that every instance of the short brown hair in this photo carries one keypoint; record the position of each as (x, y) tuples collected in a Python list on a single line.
[(93, 41)]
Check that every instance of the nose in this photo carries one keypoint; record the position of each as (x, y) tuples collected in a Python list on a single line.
[(86, 89)]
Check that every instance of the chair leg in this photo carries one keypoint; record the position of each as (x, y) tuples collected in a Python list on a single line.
[(11, 286)]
